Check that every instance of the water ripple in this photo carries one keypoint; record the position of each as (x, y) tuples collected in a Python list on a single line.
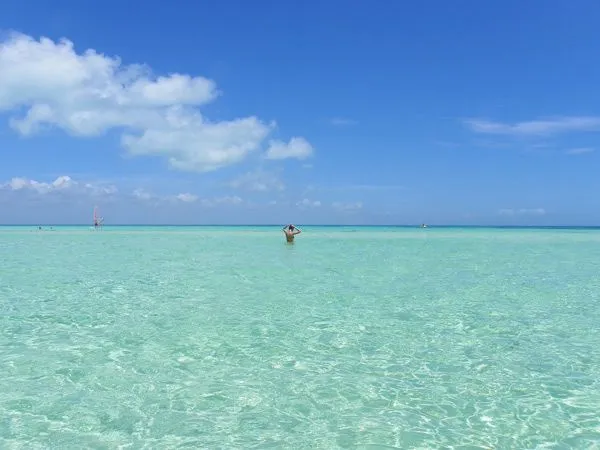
[(231, 339)]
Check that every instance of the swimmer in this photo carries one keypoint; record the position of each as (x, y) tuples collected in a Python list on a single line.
[(290, 232)]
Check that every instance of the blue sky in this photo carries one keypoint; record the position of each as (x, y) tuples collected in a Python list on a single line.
[(305, 112)]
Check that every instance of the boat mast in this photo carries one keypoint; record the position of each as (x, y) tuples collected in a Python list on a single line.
[(97, 219)]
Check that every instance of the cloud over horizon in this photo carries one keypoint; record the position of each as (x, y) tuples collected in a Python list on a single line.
[(73, 192), (63, 183), (88, 94)]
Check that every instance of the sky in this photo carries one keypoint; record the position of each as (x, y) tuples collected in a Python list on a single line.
[(337, 112)]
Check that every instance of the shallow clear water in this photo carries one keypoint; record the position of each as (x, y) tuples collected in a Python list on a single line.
[(350, 338)]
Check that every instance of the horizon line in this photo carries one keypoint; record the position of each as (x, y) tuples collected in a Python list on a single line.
[(304, 225)]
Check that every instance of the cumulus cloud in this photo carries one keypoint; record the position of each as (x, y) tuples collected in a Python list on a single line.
[(142, 194), (87, 94), (79, 189), (63, 183), (297, 147), (306, 203), (186, 197), (542, 127)]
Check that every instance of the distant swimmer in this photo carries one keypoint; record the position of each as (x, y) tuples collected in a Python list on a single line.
[(290, 232)]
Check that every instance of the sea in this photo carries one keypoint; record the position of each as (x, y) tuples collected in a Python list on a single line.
[(351, 337)]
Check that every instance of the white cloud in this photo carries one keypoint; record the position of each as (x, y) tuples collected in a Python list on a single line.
[(88, 93), (522, 211), (187, 197), (306, 203), (18, 184), (192, 144), (341, 122), (67, 184), (297, 147), (258, 180), (142, 194), (542, 127), (342, 206), (62, 183), (146, 196), (99, 190), (580, 151), (155, 199)]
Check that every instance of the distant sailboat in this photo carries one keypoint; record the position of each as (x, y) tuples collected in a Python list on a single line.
[(98, 221)]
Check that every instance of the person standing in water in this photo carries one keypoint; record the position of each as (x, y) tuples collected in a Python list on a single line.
[(290, 232)]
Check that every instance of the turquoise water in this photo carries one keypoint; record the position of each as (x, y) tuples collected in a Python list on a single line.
[(215, 337)]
